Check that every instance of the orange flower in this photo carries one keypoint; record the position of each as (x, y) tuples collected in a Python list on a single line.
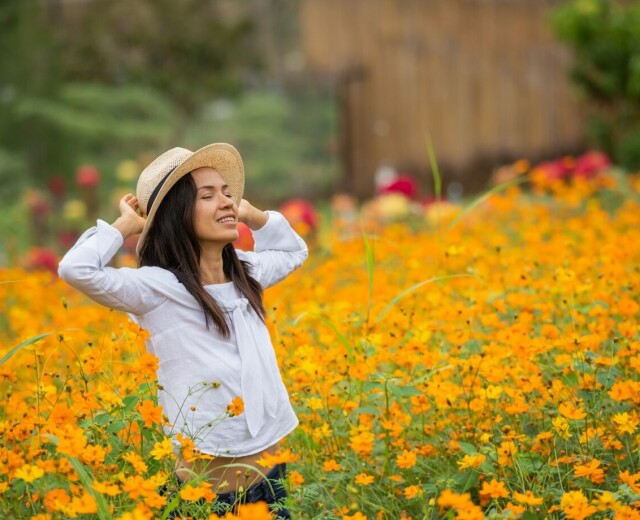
[(576, 506), (55, 499), (591, 470), (280, 457), (295, 479), (106, 488), (236, 407), (71, 440), (506, 452), (362, 443), (150, 413), (413, 492), (257, 511), (494, 489), (356, 516), (363, 479), (527, 498), (406, 459), (195, 493), (331, 465), (136, 461), (571, 411)]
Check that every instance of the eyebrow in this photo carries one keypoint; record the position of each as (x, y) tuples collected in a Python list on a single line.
[(223, 187)]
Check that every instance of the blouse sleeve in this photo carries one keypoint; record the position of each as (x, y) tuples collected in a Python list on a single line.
[(278, 251), (85, 268)]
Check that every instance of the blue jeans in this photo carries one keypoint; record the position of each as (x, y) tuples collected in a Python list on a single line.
[(269, 490)]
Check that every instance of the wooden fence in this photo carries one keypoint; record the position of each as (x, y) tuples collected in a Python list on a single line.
[(485, 79)]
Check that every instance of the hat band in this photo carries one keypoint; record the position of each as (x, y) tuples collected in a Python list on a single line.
[(157, 189)]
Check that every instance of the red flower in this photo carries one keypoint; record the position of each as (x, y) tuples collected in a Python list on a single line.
[(87, 176)]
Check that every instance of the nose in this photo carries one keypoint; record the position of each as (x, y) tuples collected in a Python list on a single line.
[(225, 202)]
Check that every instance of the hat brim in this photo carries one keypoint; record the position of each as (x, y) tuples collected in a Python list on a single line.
[(222, 157)]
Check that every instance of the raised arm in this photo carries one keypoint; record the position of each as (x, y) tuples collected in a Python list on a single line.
[(85, 267), (278, 251)]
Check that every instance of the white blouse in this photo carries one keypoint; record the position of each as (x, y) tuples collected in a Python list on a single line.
[(200, 372)]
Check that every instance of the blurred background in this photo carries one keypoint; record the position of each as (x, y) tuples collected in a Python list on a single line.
[(323, 98)]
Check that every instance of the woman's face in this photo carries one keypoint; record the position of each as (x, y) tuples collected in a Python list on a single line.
[(216, 214)]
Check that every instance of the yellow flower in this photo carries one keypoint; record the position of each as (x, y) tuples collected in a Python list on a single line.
[(29, 473), (562, 427), (471, 461), (606, 500), (625, 423), (162, 449)]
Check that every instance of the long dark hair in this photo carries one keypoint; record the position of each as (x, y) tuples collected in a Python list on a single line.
[(171, 243)]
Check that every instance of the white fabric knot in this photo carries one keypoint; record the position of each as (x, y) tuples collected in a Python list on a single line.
[(259, 385)]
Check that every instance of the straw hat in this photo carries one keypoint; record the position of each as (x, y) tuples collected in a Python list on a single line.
[(161, 175)]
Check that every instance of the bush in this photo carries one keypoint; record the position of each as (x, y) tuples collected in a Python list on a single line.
[(605, 38)]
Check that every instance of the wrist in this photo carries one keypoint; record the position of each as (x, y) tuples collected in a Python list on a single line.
[(126, 227), (256, 219)]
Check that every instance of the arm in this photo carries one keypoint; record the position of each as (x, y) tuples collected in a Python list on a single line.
[(278, 251), (85, 268)]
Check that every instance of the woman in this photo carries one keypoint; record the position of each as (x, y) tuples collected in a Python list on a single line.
[(201, 302)]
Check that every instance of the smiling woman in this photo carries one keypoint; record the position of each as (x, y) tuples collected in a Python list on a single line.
[(190, 276)]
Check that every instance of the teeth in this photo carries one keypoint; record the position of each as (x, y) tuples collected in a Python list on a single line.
[(227, 219)]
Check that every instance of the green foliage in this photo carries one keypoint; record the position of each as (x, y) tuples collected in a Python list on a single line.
[(605, 38), (284, 141), (102, 81), (190, 50)]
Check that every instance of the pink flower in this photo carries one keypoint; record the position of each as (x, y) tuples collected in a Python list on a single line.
[(591, 163), (403, 185)]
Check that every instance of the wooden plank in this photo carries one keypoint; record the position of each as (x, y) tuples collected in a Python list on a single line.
[(484, 78)]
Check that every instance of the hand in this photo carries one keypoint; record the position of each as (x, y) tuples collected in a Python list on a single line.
[(129, 222), (251, 216)]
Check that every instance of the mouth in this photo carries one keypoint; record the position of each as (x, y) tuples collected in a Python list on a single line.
[(226, 220)]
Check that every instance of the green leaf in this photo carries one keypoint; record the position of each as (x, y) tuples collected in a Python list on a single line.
[(404, 391), (116, 426), (369, 410), (437, 178), (468, 448), (129, 402), (101, 419), (26, 343), (368, 248)]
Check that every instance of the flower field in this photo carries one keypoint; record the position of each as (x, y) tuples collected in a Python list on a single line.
[(478, 367)]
